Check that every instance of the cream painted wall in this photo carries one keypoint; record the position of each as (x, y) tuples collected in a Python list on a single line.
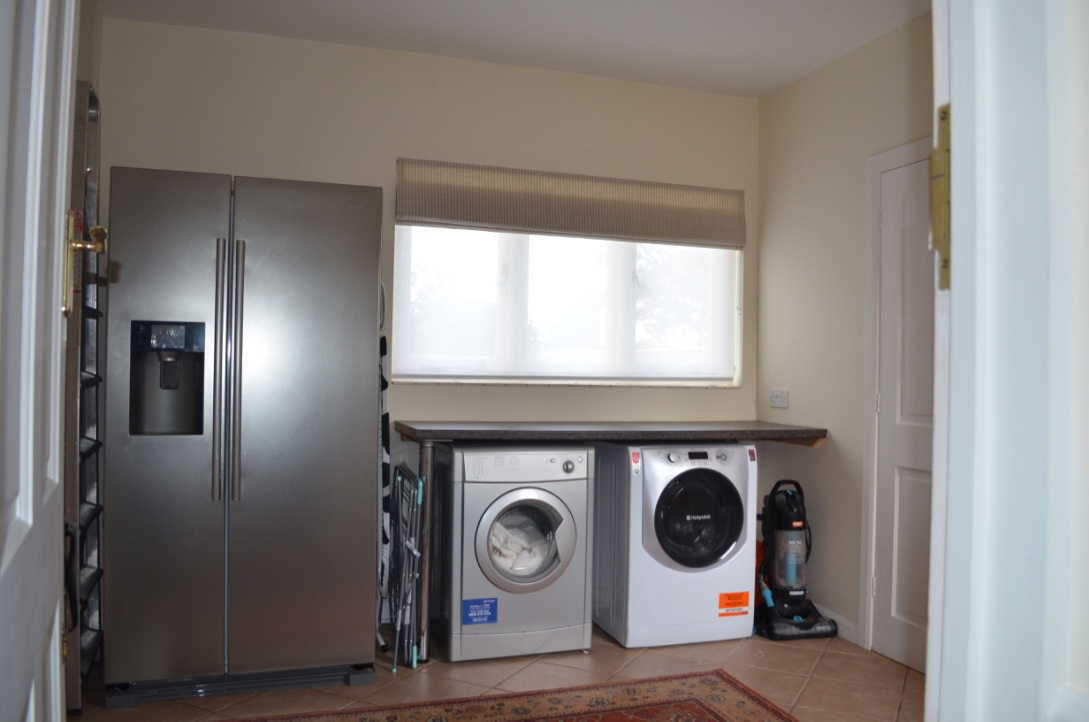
[(187, 99), (90, 42), (815, 137)]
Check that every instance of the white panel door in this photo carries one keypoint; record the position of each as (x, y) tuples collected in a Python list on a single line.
[(905, 416), (36, 90)]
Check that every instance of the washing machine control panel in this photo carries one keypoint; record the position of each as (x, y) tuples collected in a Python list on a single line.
[(696, 457), (527, 466)]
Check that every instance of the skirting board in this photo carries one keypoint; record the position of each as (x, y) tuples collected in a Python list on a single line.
[(845, 627)]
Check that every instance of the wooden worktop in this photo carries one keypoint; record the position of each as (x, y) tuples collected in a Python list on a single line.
[(619, 431)]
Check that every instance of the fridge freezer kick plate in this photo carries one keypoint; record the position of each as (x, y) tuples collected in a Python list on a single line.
[(118, 696)]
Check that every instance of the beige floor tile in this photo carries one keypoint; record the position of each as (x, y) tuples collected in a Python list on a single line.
[(284, 701), (782, 688), (216, 702), (485, 672), (916, 682), (841, 645), (361, 704), (867, 668), (861, 700), (383, 676), (418, 687), (606, 660), (819, 643), (778, 656), (911, 707), (545, 675), (656, 663), (714, 653), (168, 711)]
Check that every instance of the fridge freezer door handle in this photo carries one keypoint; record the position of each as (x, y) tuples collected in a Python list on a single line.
[(236, 370), (219, 381)]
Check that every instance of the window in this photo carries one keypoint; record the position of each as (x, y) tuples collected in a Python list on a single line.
[(512, 276), (502, 306)]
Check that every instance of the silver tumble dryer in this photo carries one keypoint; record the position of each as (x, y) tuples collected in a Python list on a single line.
[(519, 547)]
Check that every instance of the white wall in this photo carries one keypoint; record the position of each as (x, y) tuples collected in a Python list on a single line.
[(189, 99), (815, 137)]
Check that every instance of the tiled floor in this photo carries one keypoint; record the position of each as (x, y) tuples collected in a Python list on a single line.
[(818, 680)]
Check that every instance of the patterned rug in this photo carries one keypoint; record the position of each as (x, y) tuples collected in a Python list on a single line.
[(695, 697)]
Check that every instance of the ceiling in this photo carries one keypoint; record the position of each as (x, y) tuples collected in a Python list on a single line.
[(748, 48)]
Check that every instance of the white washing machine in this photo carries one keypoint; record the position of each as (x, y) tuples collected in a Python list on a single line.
[(519, 531), (675, 543)]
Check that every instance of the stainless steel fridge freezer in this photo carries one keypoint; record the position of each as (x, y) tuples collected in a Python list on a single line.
[(241, 447)]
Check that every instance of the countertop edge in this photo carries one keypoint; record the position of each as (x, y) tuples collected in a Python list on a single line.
[(717, 431)]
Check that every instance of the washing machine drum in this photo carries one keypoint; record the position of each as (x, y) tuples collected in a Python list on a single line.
[(698, 518)]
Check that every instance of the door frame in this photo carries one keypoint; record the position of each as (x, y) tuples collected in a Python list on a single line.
[(875, 165), (1038, 668)]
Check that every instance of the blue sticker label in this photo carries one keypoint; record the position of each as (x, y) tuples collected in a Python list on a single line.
[(479, 611)]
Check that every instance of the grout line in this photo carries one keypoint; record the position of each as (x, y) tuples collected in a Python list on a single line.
[(627, 663), (900, 702)]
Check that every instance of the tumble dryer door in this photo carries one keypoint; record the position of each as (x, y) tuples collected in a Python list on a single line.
[(698, 518), (525, 540)]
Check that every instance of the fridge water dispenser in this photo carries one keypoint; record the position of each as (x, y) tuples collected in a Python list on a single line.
[(166, 385)]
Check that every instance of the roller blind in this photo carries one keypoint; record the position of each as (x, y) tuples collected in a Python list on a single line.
[(461, 195)]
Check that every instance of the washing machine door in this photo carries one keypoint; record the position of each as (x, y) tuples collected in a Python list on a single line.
[(698, 518), (525, 540)]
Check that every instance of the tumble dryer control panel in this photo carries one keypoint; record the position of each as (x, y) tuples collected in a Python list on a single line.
[(507, 466)]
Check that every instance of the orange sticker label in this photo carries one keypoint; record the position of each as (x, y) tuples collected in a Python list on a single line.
[(733, 604)]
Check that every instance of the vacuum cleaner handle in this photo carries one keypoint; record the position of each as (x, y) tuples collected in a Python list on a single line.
[(789, 486), (788, 482)]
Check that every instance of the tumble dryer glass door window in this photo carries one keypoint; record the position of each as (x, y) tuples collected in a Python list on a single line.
[(525, 540)]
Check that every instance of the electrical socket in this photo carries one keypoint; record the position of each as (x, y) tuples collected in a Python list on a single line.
[(779, 398)]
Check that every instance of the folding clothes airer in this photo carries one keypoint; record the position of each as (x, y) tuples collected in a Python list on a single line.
[(407, 520), (385, 540)]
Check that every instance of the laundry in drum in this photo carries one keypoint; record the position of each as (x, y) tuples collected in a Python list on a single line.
[(519, 545)]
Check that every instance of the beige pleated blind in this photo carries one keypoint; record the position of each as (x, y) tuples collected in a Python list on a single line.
[(460, 195)]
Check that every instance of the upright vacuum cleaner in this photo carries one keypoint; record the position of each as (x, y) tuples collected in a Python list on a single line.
[(787, 612)]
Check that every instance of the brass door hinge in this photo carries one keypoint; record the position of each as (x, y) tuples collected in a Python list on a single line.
[(74, 244), (939, 198)]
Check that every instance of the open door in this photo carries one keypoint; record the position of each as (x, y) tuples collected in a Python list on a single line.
[(36, 121)]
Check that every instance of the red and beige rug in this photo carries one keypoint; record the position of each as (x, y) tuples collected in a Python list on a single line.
[(696, 697)]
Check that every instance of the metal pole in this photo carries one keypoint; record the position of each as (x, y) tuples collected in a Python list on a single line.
[(423, 588)]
